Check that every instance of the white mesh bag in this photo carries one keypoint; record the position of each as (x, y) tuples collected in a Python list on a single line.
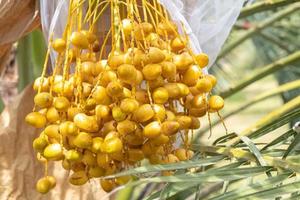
[(207, 22)]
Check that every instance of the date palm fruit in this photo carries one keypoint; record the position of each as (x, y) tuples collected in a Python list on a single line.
[(141, 30), (118, 114), (97, 145), (115, 60), (91, 37), (170, 127), (178, 44), (117, 156), (78, 166), (126, 127), (184, 121), (86, 89), (114, 89), (143, 113), (43, 100), (43, 185), (202, 60), (101, 96), (98, 68), (173, 90), (127, 73), (83, 140), (52, 115), (52, 131), (183, 61), (107, 77), (78, 178), (96, 172), (170, 116), (107, 185), (108, 127), (59, 45), (160, 140), (160, 95), (79, 40), (40, 143), (195, 123), (41, 83), (36, 119), (102, 112), (127, 26), (86, 123), (139, 77), (149, 149), (72, 111), (152, 130), (63, 87), (160, 112), (156, 55), (113, 100), (171, 158), (159, 82), (122, 180), (52, 181), (142, 97), (66, 164), (167, 28), (204, 85), (129, 105), (152, 71), (136, 139), (168, 70), (89, 158), (103, 159), (198, 112), (212, 78), (112, 143), (135, 155), (191, 76), (183, 89), (53, 151), (183, 154), (68, 128), (73, 155), (87, 68), (61, 103), (216, 103)]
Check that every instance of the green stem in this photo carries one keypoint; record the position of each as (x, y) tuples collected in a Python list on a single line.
[(25, 70), (125, 194), (263, 6), (242, 154), (38, 51), (31, 53), (289, 106), (276, 41), (264, 24), (1, 104), (262, 72)]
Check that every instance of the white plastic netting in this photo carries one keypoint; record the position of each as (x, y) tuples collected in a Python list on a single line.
[(207, 22)]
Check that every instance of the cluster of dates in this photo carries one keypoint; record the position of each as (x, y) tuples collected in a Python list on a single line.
[(100, 116)]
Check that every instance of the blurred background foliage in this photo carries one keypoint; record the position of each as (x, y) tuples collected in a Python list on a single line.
[(258, 74), (31, 51)]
